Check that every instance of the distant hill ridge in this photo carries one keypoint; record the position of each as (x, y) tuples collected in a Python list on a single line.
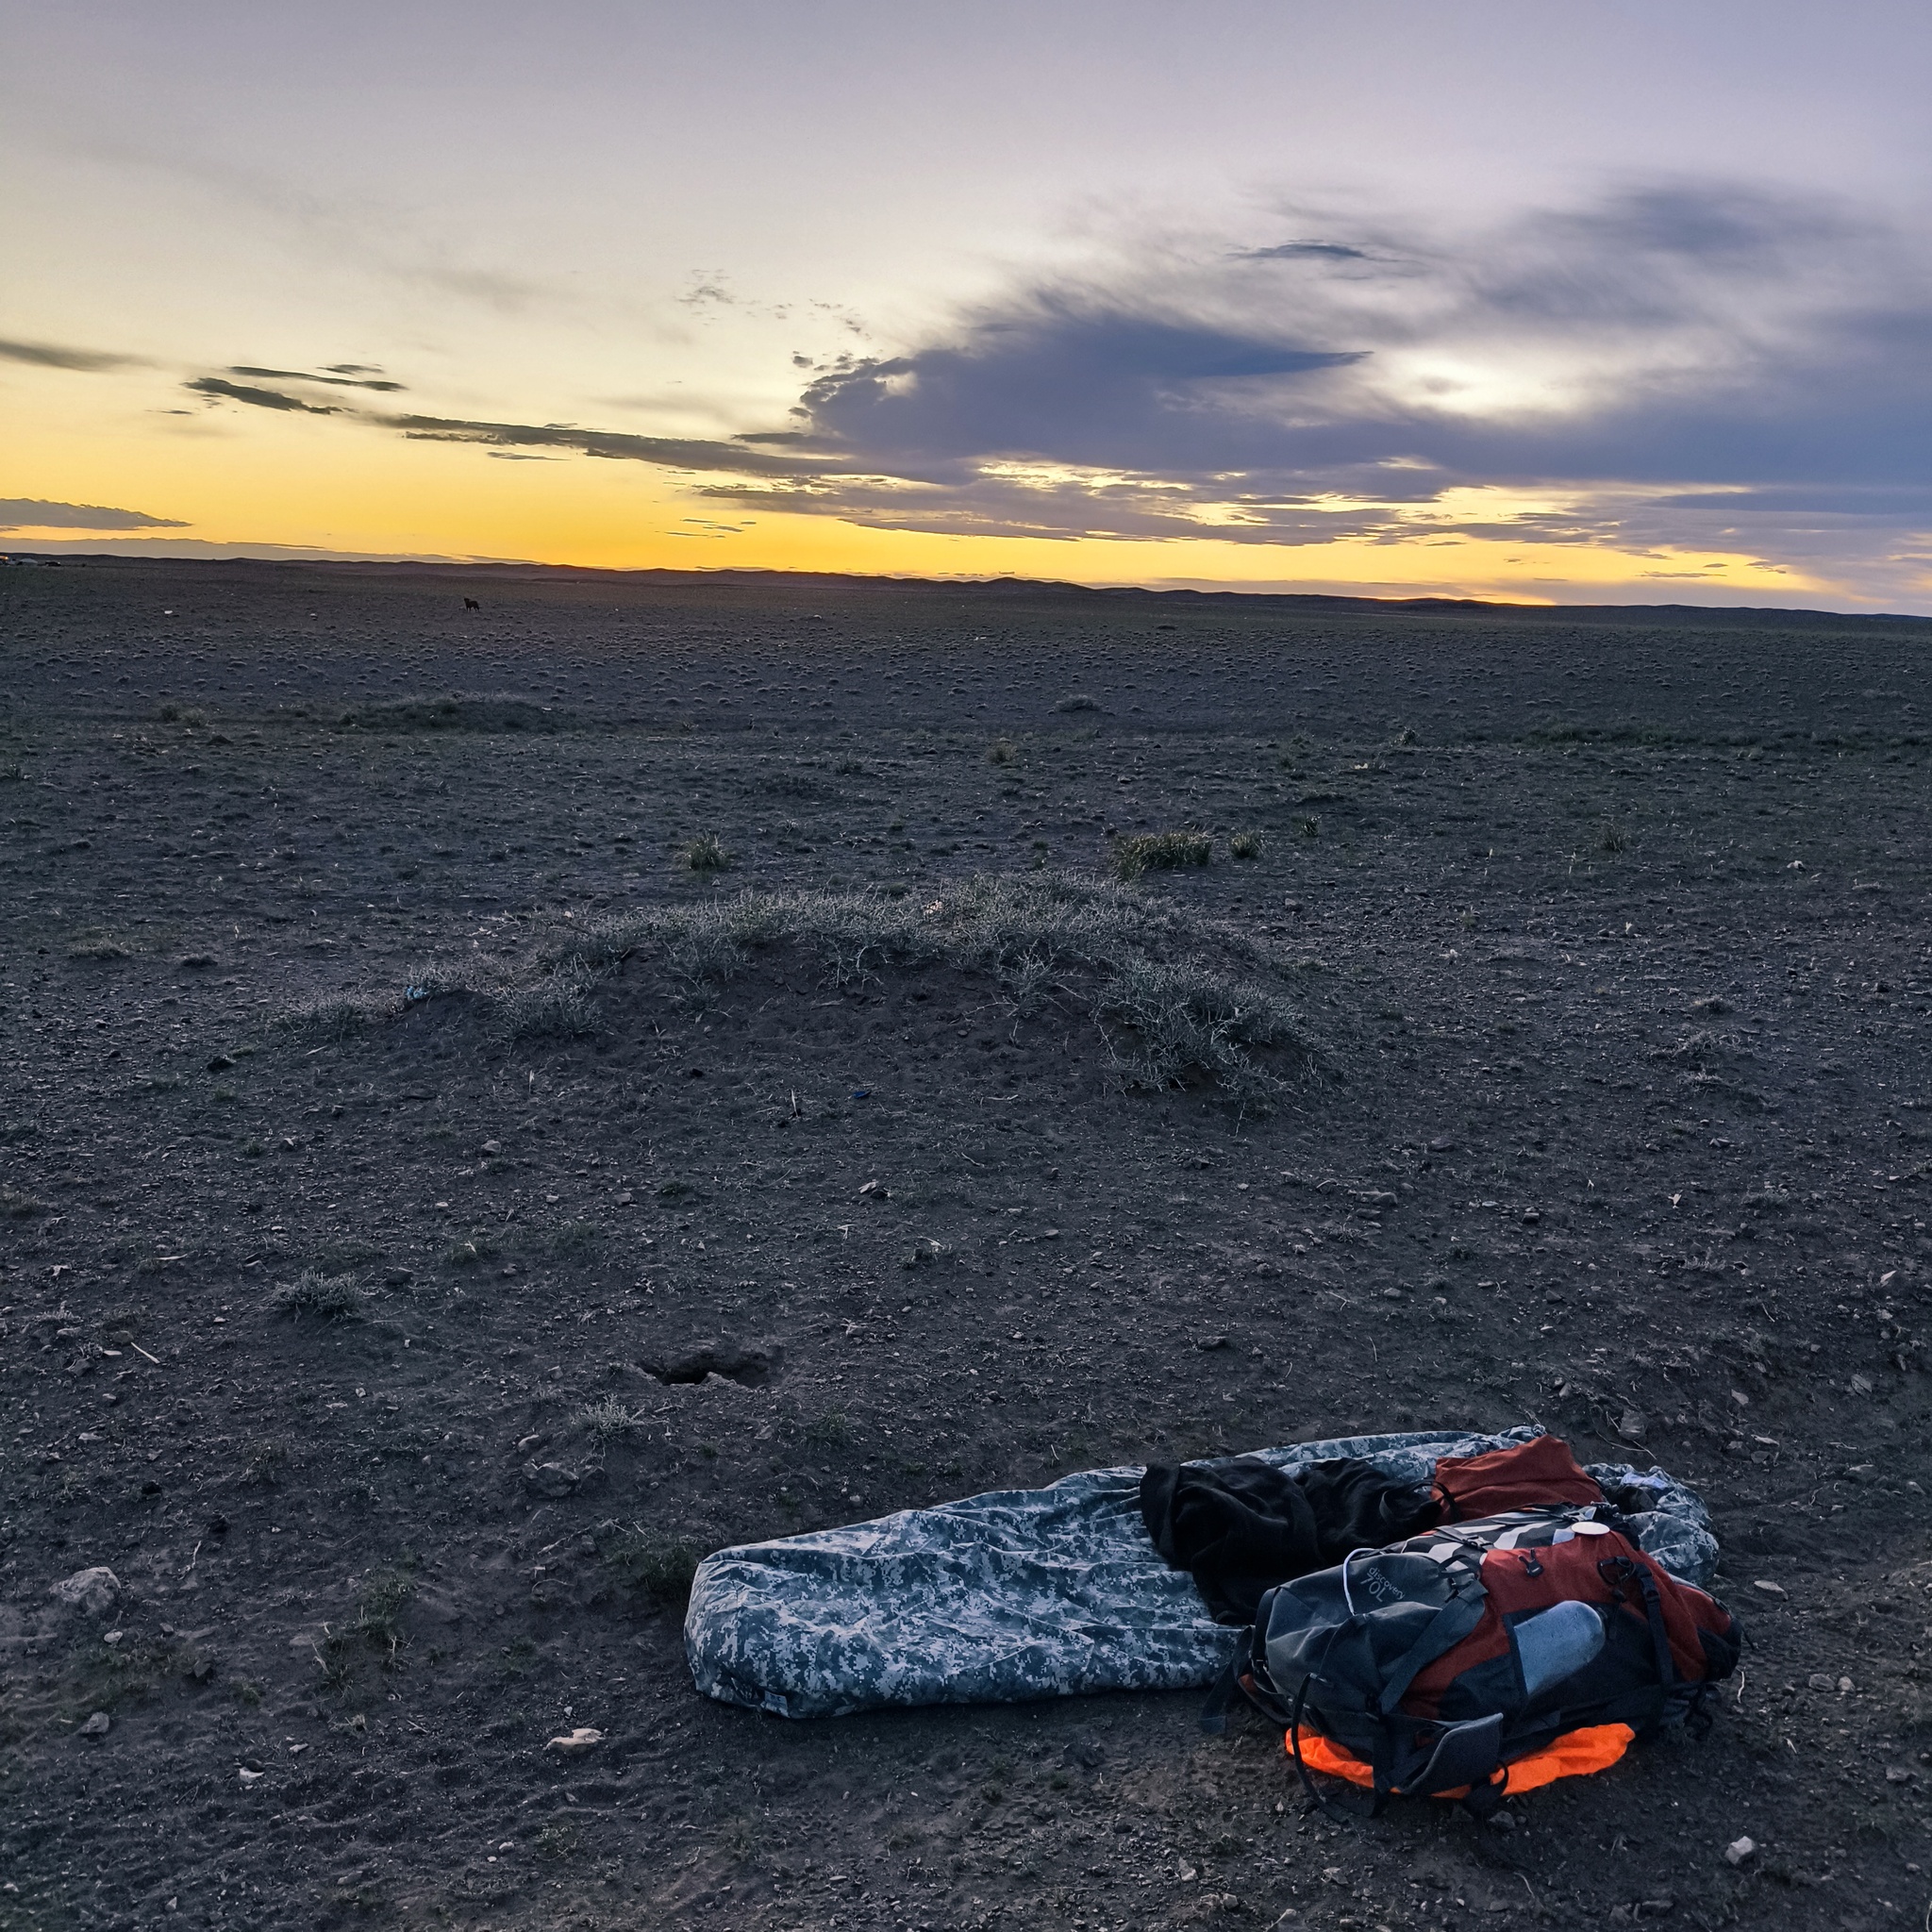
[(1030, 589)]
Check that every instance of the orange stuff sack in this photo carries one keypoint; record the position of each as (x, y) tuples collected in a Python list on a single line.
[(1575, 1754), (1538, 1475)]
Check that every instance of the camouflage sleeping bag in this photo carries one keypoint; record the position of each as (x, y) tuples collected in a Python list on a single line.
[(1025, 1593)]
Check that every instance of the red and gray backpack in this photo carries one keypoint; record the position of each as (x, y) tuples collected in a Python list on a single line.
[(1482, 1658)]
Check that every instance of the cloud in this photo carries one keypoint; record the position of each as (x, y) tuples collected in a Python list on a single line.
[(219, 389), (343, 375), (54, 356), (1303, 251), (1667, 368), (1669, 362), (694, 454), (33, 513)]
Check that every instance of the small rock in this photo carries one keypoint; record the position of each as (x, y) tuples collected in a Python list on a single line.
[(1632, 1427), (93, 1592), (250, 1777), (1769, 1588), (572, 1743), (549, 1478), (97, 1725), (492, 1147), (1738, 1849), (1211, 1341), (1844, 1686), (1821, 1680)]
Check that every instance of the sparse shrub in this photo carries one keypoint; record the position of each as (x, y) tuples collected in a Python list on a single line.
[(606, 1419), (1308, 826), (1175, 1023), (1246, 845), (1409, 734), (831, 1429), (98, 946), (380, 1606), (557, 1008), (12, 771), (705, 854), (576, 1240), (335, 1016), (472, 1251), (1612, 838), (656, 1566), (264, 1465), (332, 1297), (1078, 701), (19, 1205), (1001, 752), (556, 1840), (1159, 852)]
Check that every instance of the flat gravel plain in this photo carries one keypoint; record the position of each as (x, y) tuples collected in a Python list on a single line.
[(397, 1355)]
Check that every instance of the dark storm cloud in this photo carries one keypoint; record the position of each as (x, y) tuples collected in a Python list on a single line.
[(56, 355), (219, 389), (1064, 379), (32, 513), (344, 375), (1772, 349)]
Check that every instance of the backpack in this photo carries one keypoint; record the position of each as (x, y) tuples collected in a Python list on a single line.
[(1481, 1658)]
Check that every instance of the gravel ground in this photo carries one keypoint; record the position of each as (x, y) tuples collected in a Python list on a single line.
[(397, 1356)]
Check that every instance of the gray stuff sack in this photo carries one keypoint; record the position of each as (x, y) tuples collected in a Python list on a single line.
[(1025, 1593)]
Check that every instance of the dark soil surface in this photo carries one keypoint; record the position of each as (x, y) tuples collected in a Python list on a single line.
[(398, 1370)]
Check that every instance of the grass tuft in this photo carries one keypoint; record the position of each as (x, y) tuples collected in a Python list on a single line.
[(655, 1565), (703, 854), (461, 712), (98, 945), (1158, 851), (1246, 845), (331, 1297)]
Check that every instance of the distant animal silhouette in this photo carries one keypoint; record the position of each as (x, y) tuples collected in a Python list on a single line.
[(471, 604)]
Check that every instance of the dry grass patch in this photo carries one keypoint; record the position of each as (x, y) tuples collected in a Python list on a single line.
[(1176, 999), (1159, 852)]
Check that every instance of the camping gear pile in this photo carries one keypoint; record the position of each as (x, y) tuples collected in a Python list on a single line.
[(1449, 1615)]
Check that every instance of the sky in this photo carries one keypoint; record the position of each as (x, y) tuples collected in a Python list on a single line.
[(1511, 299)]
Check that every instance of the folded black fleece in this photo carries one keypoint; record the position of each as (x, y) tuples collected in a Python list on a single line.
[(1241, 1527)]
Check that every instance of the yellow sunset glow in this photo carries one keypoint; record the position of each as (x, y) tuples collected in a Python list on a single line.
[(255, 477)]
